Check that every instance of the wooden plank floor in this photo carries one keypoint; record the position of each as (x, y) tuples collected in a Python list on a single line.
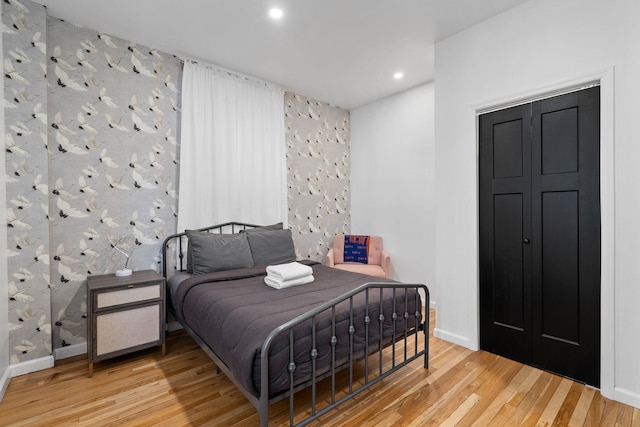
[(460, 387)]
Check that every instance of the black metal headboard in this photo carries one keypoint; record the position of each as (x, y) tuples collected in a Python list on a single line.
[(178, 242)]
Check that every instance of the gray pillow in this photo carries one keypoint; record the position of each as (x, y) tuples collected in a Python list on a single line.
[(189, 256), (277, 226), (189, 246), (216, 252), (271, 247)]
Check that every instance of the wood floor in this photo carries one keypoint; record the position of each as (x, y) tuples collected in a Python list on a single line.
[(460, 387)]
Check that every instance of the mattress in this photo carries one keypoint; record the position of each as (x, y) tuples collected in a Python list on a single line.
[(234, 311)]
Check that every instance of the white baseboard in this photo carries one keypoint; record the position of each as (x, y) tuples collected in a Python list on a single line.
[(627, 397), (4, 381), (31, 366), (69, 351), (452, 338), (79, 349)]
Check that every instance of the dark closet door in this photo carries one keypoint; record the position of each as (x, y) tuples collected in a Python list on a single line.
[(505, 223), (540, 234)]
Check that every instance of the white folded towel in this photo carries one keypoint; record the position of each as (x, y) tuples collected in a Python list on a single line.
[(288, 271), (281, 284)]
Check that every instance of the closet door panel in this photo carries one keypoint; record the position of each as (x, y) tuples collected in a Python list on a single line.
[(560, 278), (507, 149), (508, 277), (559, 141), (505, 261), (566, 235)]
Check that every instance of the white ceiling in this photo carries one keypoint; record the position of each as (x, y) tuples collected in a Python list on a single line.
[(343, 52)]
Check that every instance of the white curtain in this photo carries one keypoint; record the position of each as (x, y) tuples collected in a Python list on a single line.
[(232, 155)]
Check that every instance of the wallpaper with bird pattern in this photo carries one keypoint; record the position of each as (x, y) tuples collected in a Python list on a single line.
[(92, 139), (24, 27), (318, 170), (113, 113), (91, 161)]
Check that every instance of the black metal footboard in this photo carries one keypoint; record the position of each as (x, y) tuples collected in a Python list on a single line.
[(380, 372)]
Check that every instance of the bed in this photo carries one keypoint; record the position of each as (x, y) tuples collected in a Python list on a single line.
[(273, 342)]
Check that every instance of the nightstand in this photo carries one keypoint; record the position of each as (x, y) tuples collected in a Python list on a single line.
[(124, 314)]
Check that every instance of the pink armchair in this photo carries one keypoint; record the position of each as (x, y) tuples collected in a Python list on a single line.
[(379, 261)]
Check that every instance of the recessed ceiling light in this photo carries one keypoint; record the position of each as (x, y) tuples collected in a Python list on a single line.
[(276, 13), (398, 75)]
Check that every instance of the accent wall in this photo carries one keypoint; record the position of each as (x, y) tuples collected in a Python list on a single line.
[(91, 159), (26, 178), (4, 292), (113, 113), (318, 171)]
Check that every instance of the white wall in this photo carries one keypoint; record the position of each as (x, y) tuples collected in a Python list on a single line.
[(4, 291), (536, 48), (392, 174)]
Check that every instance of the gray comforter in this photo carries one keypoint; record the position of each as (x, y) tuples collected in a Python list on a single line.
[(234, 311)]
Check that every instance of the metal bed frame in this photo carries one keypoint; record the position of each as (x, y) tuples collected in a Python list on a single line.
[(406, 356)]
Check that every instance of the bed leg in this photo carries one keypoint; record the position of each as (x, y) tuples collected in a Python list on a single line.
[(217, 370), (264, 412), (426, 343)]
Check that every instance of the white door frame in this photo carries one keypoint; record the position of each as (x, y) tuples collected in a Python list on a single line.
[(605, 78)]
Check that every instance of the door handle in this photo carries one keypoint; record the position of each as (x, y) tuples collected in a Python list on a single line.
[(526, 241)]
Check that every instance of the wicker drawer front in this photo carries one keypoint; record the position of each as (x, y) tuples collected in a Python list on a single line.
[(129, 295), (125, 329)]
